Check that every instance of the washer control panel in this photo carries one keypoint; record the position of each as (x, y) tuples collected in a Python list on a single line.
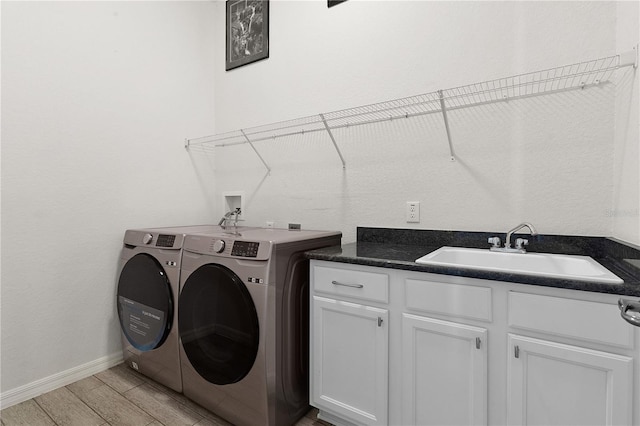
[(245, 249), (223, 246)]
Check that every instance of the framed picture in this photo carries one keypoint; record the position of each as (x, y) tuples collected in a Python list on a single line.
[(334, 2), (247, 32)]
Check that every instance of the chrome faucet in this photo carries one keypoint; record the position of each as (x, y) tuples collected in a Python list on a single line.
[(520, 242), (227, 215)]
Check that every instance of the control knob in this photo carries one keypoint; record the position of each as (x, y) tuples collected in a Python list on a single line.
[(218, 246), (147, 238)]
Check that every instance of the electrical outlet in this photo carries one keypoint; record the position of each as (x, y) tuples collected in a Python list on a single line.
[(413, 212)]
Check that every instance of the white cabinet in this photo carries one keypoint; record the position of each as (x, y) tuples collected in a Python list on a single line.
[(556, 384), (349, 347), (396, 347), (444, 372), (350, 344)]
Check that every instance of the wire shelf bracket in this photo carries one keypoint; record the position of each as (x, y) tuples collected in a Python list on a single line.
[(256, 151), (446, 124), (568, 77), (630, 57), (335, 145)]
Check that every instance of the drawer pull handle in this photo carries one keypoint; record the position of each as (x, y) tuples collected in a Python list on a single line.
[(631, 306), (347, 285)]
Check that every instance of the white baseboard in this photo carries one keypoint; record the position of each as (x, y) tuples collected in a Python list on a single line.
[(47, 384)]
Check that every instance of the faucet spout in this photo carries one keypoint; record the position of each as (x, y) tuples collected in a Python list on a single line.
[(532, 230), (227, 215)]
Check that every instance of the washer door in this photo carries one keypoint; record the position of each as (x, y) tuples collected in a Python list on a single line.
[(145, 302), (218, 324)]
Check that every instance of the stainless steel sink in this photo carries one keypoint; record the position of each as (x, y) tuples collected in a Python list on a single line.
[(581, 268)]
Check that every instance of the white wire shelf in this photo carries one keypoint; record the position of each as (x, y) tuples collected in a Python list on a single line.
[(553, 80)]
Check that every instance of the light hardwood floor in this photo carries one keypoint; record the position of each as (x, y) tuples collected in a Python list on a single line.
[(117, 397)]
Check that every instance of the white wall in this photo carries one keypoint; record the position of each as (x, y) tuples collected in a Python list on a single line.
[(548, 160), (625, 212), (97, 98)]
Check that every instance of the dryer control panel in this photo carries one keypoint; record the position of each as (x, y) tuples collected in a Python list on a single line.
[(153, 239), (165, 240)]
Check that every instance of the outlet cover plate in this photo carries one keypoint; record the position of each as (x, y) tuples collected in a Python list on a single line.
[(413, 212)]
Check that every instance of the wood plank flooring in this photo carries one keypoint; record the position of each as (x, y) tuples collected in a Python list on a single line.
[(117, 397)]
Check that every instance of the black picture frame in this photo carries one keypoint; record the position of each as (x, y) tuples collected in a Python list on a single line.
[(331, 3), (247, 32)]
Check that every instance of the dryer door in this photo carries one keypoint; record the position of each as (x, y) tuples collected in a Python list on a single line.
[(145, 302), (218, 324)]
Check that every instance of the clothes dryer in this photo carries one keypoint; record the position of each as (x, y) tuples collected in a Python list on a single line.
[(147, 296), (243, 321)]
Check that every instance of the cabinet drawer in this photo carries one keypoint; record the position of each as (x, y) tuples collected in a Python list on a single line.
[(579, 319), (463, 301), (363, 285)]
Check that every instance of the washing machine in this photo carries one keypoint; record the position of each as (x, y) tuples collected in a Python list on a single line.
[(243, 322), (147, 296)]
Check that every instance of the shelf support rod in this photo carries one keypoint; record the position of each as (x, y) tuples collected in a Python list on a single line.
[(335, 145), (255, 150), (446, 123)]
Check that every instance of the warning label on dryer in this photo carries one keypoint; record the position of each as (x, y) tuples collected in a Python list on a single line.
[(143, 325)]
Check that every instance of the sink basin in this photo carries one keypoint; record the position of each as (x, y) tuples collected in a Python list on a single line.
[(581, 268)]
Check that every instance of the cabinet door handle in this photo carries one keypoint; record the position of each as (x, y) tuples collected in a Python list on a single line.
[(516, 351), (347, 285), (379, 322), (477, 343), (626, 305)]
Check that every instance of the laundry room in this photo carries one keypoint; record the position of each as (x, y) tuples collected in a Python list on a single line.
[(115, 117)]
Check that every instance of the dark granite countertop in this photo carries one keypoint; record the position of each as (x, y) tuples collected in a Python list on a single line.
[(399, 248)]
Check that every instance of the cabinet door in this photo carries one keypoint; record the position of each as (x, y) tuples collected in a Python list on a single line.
[(350, 360), (444, 372), (556, 384)]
